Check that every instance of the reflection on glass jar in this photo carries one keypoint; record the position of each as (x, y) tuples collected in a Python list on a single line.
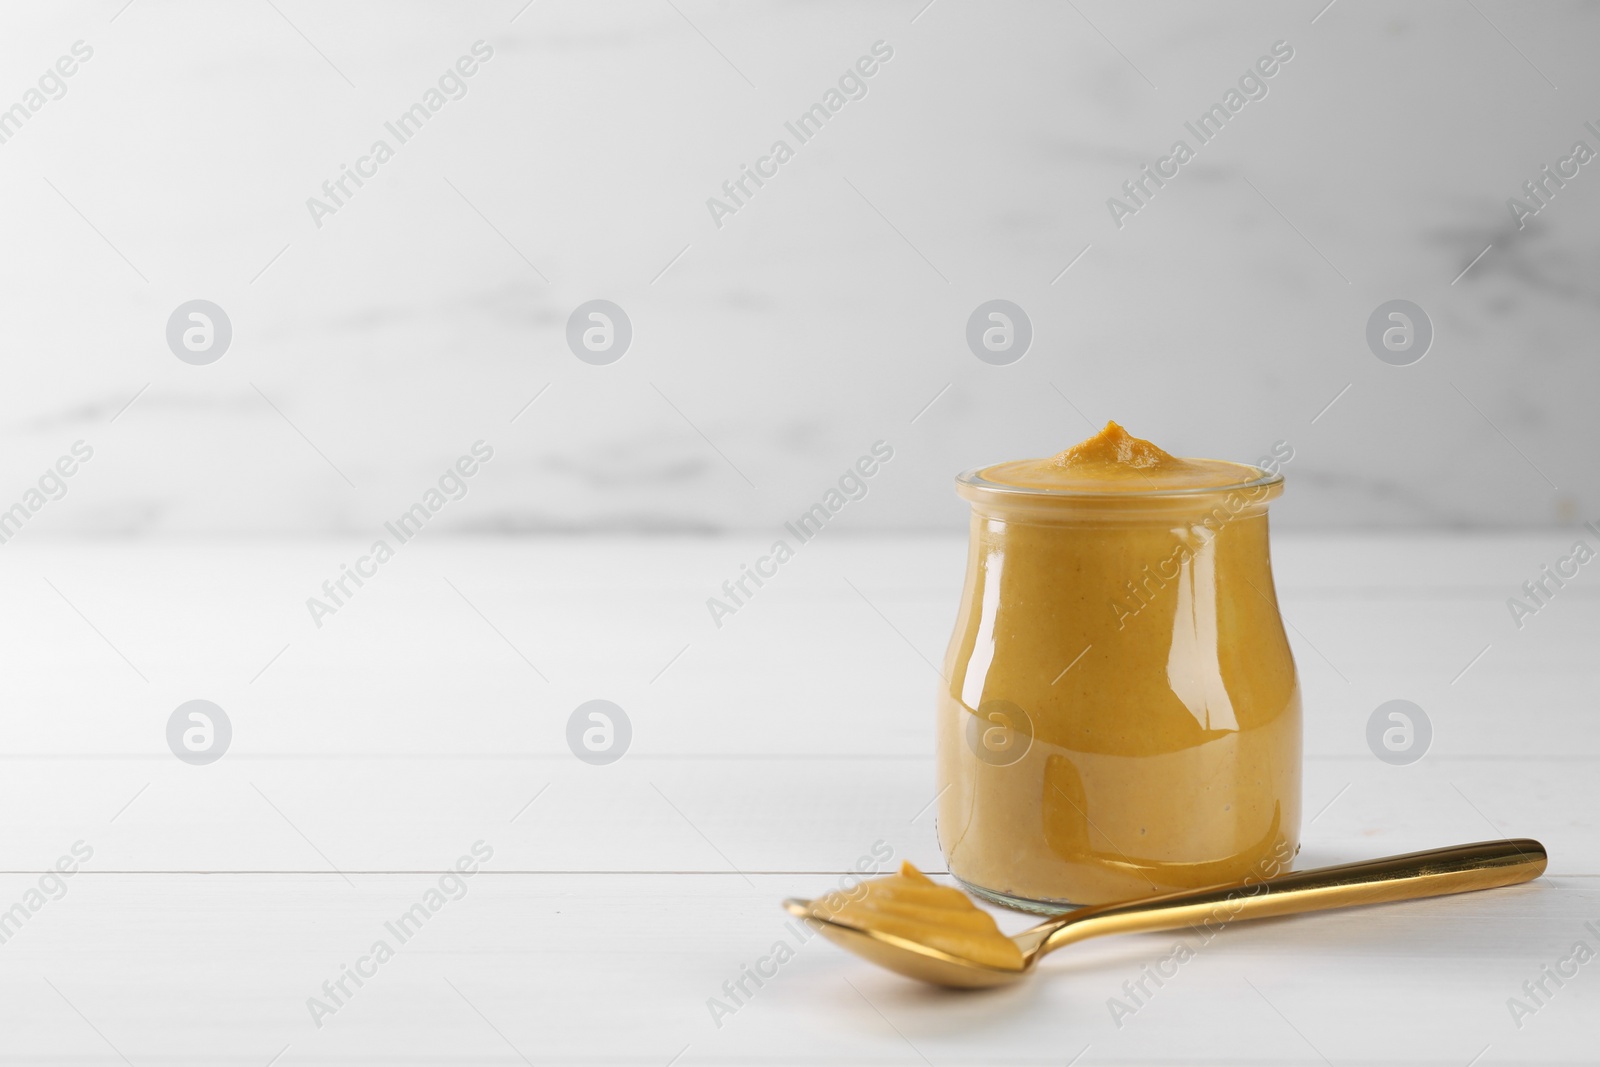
[(1122, 714)]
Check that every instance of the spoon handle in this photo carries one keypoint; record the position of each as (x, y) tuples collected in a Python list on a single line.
[(1437, 872)]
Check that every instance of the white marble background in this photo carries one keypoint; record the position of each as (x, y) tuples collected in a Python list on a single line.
[(829, 312)]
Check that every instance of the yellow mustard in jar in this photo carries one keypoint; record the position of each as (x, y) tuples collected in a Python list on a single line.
[(1121, 714)]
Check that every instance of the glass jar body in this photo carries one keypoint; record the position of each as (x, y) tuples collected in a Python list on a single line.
[(1121, 714)]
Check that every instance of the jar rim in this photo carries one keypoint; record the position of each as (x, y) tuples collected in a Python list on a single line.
[(974, 479)]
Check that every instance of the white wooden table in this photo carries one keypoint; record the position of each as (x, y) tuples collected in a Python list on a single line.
[(767, 757)]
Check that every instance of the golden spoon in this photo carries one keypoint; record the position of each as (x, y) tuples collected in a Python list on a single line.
[(1437, 872)]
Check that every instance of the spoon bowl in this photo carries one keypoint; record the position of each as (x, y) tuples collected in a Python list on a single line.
[(910, 958)]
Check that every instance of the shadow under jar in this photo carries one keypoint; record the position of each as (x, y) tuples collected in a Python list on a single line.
[(1122, 715)]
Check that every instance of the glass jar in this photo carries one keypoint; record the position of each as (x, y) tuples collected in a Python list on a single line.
[(1121, 714)]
